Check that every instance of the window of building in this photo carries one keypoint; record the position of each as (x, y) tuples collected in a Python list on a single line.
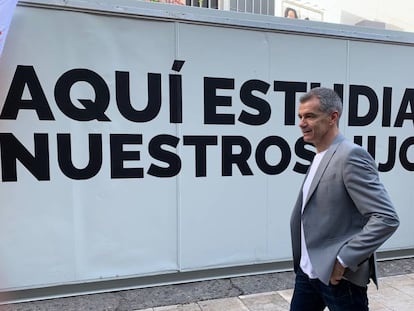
[(212, 4)]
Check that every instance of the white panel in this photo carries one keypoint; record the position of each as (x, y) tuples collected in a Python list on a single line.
[(71, 230), (378, 66), (303, 59), (223, 219), (249, 215), (37, 230)]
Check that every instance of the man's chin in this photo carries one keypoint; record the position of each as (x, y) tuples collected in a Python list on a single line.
[(307, 139)]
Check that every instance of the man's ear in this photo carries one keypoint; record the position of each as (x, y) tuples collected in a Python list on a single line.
[(334, 117)]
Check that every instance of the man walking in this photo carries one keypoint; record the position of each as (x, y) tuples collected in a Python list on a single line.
[(342, 216)]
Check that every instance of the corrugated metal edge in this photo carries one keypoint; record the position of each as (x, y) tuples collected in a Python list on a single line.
[(185, 14)]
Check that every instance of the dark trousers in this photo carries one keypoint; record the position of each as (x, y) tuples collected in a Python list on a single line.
[(313, 295)]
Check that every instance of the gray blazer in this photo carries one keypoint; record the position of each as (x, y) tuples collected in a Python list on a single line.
[(347, 213)]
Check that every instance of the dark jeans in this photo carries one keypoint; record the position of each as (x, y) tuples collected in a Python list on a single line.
[(313, 295)]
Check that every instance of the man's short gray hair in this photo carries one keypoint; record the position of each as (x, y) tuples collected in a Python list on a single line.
[(329, 99)]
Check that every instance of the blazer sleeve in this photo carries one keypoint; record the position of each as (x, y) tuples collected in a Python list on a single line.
[(360, 176)]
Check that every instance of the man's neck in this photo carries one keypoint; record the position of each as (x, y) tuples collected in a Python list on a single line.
[(328, 141)]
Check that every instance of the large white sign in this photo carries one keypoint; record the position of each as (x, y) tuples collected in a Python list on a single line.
[(132, 147)]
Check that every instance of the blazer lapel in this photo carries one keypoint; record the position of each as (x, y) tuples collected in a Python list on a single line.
[(323, 165)]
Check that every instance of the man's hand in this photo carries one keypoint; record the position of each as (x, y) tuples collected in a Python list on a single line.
[(337, 273)]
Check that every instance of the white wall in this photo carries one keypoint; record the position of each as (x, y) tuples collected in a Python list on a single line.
[(62, 230)]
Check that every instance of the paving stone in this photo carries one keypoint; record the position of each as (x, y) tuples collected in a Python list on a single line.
[(379, 308), (227, 304), (272, 301), (391, 298), (286, 294), (402, 283), (186, 307)]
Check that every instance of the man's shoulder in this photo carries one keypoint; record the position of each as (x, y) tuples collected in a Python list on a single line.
[(350, 151), (346, 149), (344, 144)]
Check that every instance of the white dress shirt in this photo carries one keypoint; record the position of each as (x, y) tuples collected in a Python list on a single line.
[(305, 262)]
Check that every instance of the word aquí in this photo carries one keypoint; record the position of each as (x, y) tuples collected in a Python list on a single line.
[(163, 147), (94, 109)]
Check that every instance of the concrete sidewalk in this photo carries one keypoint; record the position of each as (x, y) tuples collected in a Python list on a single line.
[(396, 293), (269, 291)]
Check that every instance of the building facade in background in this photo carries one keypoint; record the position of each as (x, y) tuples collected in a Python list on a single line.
[(391, 15)]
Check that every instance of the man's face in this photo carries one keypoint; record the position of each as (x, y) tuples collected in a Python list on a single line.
[(315, 124)]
